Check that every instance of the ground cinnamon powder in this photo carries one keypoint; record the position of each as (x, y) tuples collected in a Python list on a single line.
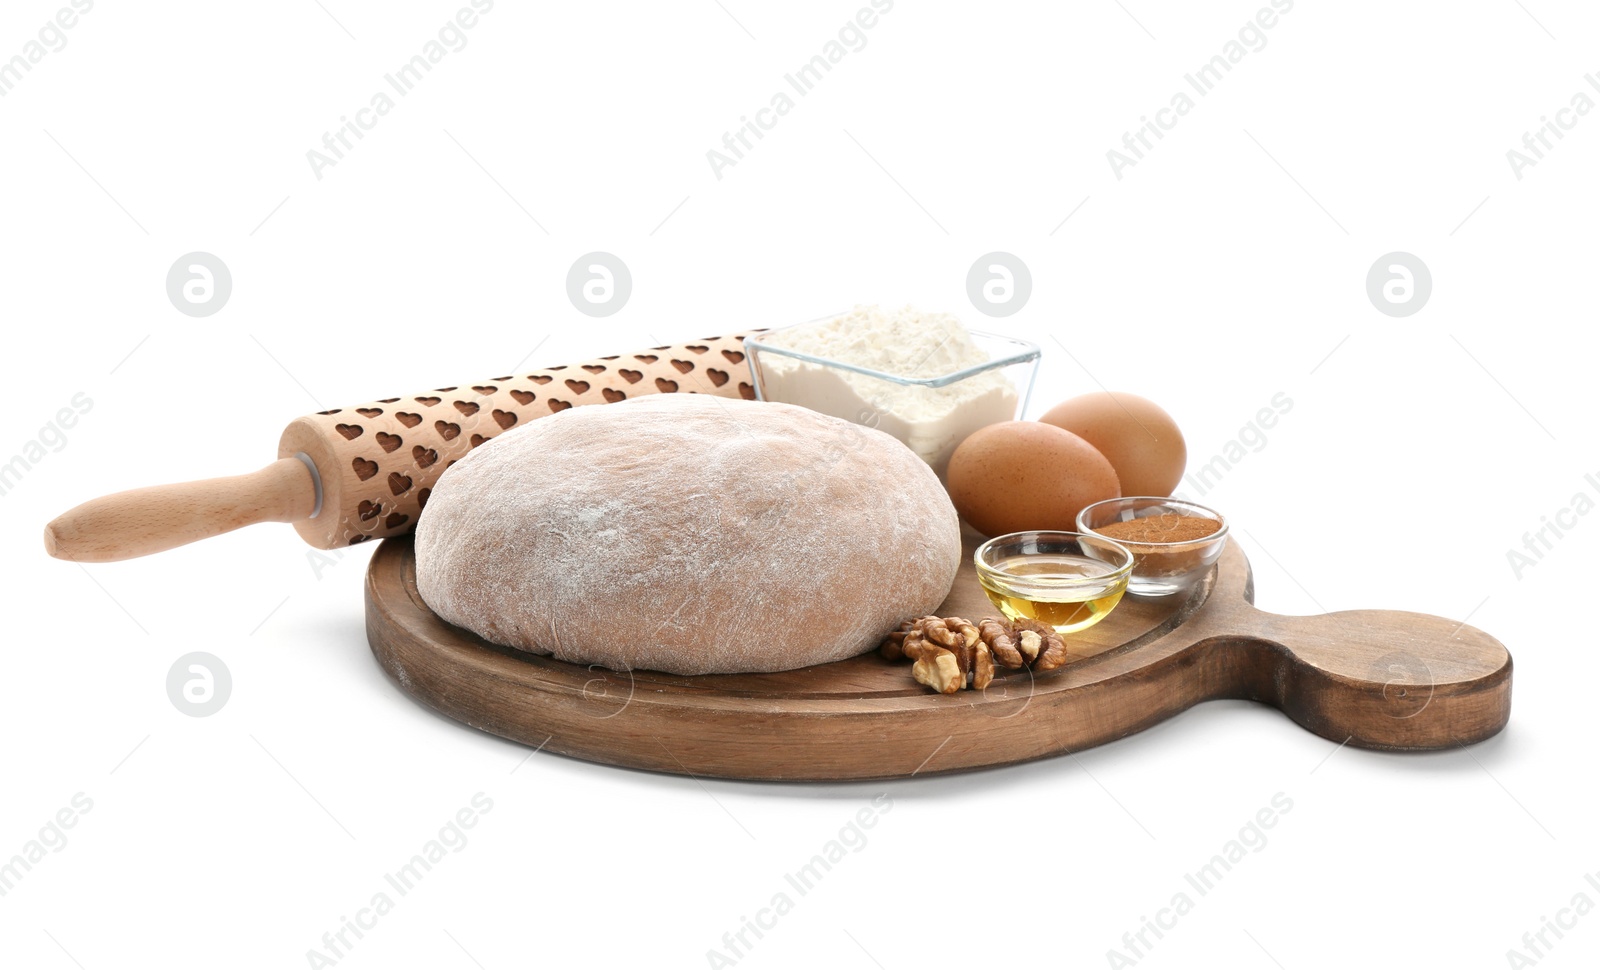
[(1166, 527)]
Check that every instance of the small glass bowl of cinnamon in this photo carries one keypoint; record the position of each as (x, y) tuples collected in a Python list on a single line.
[(1174, 543)]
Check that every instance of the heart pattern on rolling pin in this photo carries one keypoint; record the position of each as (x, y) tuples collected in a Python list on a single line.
[(394, 456)]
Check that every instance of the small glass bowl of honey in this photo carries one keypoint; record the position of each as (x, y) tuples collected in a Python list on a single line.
[(1066, 579)]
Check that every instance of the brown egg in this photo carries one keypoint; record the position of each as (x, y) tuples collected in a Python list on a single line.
[(1141, 441), (1022, 475)]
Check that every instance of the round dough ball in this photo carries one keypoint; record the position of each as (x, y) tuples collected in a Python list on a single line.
[(688, 534), (1019, 476), (1141, 441)]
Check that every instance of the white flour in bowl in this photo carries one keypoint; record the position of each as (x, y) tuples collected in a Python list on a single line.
[(906, 342)]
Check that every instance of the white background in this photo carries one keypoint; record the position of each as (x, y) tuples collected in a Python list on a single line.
[(1226, 267)]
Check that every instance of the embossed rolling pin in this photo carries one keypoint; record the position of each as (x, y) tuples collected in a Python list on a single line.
[(365, 472)]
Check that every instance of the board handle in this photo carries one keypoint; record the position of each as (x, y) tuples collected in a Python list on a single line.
[(149, 520), (1381, 678)]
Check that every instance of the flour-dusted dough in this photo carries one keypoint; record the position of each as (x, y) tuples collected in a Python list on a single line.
[(688, 534)]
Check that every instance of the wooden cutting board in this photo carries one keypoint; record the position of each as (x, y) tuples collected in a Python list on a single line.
[(1376, 679)]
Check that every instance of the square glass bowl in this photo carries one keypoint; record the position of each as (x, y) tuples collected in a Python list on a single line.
[(931, 415)]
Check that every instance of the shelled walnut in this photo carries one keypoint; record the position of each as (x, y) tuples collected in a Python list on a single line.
[(945, 651)]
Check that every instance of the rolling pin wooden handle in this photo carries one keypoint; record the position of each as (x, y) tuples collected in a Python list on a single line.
[(148, 520), (1381, 678)]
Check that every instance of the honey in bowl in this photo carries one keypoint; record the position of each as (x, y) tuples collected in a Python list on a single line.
[(1068, 580)]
